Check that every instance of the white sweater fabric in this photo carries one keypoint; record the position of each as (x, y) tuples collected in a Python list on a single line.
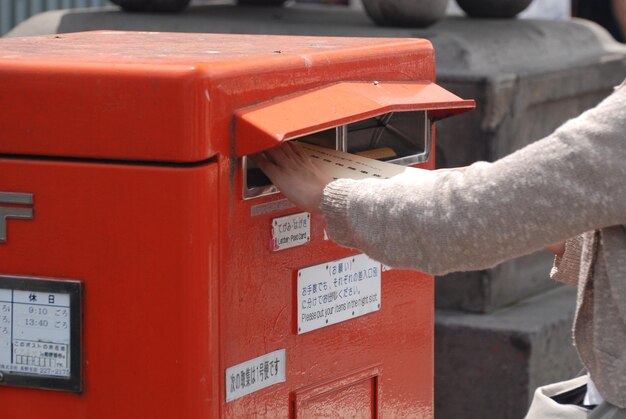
[(571, 184)]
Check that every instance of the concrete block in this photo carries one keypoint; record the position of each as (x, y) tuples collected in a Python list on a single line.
[(516, 109), (505, 284), (488, 366)]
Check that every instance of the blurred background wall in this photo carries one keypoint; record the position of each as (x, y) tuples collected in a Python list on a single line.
[(13, 12)]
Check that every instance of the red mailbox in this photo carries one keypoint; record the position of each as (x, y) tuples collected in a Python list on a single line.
[(149, 270)]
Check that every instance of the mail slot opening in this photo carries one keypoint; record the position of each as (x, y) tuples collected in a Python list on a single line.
[(401, 138), (397, 137)]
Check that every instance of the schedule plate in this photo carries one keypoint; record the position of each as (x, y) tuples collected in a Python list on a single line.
[(40, 333)]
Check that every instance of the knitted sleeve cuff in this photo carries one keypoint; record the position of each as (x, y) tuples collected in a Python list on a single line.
[(566, 268)]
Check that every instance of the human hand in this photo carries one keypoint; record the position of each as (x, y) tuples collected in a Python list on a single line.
[(295, 174), (557, 248)]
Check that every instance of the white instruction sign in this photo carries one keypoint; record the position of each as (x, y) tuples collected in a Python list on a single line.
[(337, 291), (255, 374), (291, 231), (35, 332)]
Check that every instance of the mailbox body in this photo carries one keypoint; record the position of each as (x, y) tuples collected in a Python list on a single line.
[(129, 146)]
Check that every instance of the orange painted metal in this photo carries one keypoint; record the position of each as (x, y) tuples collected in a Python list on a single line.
[(136, 237), (355, 395), (126, 142), (339, 104), (168, 96)]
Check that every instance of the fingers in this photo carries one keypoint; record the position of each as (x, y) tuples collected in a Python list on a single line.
[(297, 151), (280, 156), (304, 163), (286, 157), (264, 163), (277, 162), (259, 159), (293, 151)]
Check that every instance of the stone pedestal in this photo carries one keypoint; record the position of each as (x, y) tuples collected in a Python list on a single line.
[(489, 365), (528, 77)]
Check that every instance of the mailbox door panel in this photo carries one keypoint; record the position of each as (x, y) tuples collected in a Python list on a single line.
[(258, 316), (356, 400), (141, 239)]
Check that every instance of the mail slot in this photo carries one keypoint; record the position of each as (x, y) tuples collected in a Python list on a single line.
[(396, 137), (148, 269)]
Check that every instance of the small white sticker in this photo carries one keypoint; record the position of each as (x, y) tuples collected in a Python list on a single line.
[(255, 374), (291, 231), (337, 291), (387, 268)]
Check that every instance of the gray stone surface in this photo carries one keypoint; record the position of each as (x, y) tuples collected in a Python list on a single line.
[(485, 291), (488, 366)]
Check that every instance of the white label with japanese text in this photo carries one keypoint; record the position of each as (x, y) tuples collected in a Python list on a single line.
[(35, 332), (337, 291), (291, 231), (255, 374)]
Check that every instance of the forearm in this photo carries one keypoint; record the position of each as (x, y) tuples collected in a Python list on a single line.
[(557, 188)]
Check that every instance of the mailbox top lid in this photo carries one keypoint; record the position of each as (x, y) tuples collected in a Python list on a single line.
[(173, 49), (171, 97)]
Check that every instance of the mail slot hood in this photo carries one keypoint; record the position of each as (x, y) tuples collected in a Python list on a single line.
[(266, 125)]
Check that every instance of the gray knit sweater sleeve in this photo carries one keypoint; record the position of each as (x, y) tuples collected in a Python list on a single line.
[(568, 183)]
